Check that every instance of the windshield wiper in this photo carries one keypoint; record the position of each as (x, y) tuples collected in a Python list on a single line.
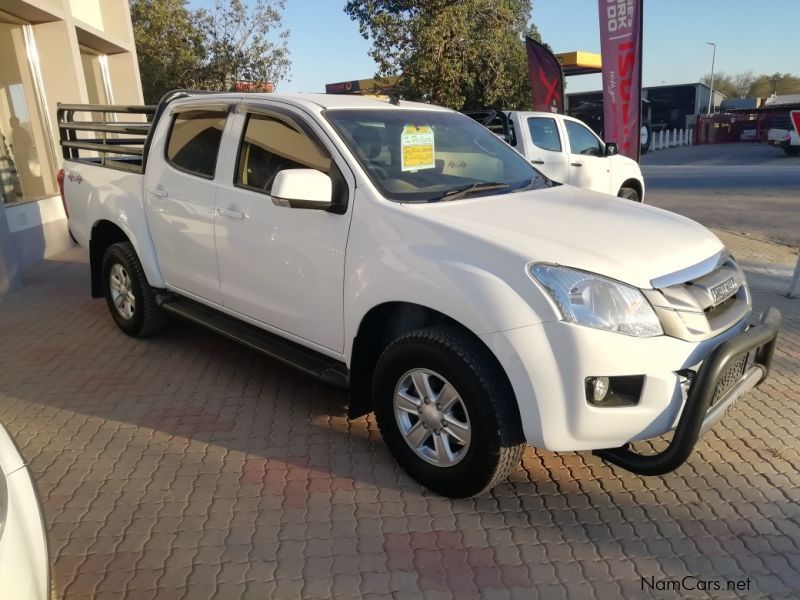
[(461, 191), (537, 181)]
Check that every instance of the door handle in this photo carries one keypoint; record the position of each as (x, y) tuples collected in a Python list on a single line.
[(575, 164), (231, 213), (159, 192), (537, 162)]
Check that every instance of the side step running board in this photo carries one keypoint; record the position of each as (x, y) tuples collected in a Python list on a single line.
[(310, 362)]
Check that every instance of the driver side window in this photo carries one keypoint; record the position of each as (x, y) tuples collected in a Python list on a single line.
[(582, 140), (270, 145)]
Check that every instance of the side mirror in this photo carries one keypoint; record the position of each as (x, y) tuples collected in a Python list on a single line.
[(302, 188), (611, 149)]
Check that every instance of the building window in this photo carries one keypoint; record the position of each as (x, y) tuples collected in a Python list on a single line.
[(26, 171), (95, 73)]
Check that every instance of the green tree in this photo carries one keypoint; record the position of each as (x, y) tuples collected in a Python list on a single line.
[(462, 54), (747, 85), (200, 49), (723, 83), (765, 86), (239, 46), (169, 46)]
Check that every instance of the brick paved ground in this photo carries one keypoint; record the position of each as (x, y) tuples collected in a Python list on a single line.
[(187, 466)]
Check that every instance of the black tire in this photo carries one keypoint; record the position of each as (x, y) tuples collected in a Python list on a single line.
[(791, 150), (629, 194), (146, 317), (496, 443)]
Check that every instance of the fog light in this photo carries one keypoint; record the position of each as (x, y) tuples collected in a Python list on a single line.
[(600, 387), (617, 391)]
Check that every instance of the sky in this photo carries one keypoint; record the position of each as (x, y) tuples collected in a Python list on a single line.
[(326, 46)]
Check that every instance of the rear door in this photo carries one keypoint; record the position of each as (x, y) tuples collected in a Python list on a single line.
[(180, 188), (547, 150), (589, 167)]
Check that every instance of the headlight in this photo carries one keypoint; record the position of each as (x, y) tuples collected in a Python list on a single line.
[(598, 302)]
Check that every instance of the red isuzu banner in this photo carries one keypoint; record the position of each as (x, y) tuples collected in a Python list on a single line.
[(547, 81), (621, 49)]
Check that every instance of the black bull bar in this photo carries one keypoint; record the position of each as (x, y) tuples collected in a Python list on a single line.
[(698, 414)]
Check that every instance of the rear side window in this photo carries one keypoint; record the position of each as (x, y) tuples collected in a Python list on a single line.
[(544, 133), (269, 146), (194, 140)]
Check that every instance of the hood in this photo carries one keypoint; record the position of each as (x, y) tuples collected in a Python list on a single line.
[(565, 225)]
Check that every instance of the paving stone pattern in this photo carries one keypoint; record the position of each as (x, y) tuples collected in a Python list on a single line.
[(187, 466)]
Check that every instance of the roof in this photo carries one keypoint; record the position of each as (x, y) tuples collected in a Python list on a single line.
[(361, 86), (580, 63), (740, 104), (783, 100), (653, 87), (322, 101), (351, 101)]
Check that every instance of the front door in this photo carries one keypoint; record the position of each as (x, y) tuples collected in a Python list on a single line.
[(282, 266), (589, 166), (547, 152), (180, 191)]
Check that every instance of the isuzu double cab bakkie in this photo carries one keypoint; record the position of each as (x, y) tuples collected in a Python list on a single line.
[(405, 252)]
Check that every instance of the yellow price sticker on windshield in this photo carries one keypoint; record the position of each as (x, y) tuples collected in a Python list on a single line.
[(417, 147)]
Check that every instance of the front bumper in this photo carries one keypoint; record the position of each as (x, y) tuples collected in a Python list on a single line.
[(698, 415), (547, 365)]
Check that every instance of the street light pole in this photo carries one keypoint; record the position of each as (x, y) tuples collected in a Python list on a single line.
[(713, 59)]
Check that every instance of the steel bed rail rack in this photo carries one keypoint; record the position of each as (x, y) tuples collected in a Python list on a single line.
[(113, 140)]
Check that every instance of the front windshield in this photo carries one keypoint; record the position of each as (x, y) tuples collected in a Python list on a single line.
[(428, 156)]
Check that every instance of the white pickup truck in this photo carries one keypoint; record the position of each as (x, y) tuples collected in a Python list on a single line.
[(786, 139), (566, 150), (404, 251)]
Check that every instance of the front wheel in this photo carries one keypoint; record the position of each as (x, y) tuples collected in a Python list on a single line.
[(446, 413), (130, 298), (629, 194)]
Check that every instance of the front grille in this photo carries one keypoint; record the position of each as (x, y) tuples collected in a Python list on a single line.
[(704, 306), (729, 378)]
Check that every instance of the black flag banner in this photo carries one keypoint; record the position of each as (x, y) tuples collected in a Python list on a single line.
[(547, 82)]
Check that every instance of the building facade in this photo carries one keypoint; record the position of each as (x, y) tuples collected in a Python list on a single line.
[(70, 51), (665, 106)]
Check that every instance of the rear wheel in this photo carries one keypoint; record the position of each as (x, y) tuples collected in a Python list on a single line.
[(446, 413), (629, 193), (791, 150), (130, 298)]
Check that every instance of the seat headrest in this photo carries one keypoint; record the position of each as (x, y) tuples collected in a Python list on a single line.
[(369, 141)]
